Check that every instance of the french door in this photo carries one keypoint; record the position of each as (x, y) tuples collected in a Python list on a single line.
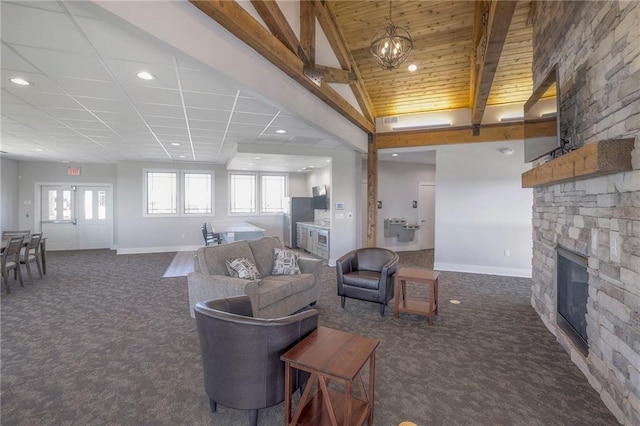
[(77, 217)]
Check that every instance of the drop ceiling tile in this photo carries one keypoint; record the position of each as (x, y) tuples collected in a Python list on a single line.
[(245, 129), (252, 119), (91, 88), (206, 114), (19, 109), (169, 131), (205, 80), (115, 118), (12, 62), (146, 95), (199, 134), (40, 83), (59, 65), (40, 99), (288, 123), (40, 28), (145, 109), (165, 121), (125, 73), (207, 100), (217, 126), (127, 43), (255, 106), (69, 113)]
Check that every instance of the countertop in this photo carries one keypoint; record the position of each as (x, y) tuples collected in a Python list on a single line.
[(316, 225), (237, 227)]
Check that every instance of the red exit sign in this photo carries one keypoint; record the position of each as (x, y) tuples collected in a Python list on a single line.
[(73, 171)]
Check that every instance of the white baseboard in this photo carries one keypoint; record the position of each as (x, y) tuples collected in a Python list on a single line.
[(479, 269), (142, 250)]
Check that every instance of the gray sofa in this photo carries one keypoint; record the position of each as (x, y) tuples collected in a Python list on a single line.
[(274, 297)]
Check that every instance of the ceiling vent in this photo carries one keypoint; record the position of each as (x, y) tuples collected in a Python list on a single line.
[(390, 120)]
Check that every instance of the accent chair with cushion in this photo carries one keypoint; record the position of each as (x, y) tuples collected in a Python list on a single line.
[(241, 354), (367, 274), (261, 269)]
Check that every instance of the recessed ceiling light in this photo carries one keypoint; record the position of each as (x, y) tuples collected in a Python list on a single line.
[(412, 67), (310, 167), (249, 164), (144, 75), (328, 161), (257, 158), (19, 81), (394, 155), (39, 149), (182, 156), (244, 168), (175, 144), (281, 131), (454, 301)]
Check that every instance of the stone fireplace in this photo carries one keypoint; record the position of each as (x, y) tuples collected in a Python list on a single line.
[(595, 45), (572, 290)]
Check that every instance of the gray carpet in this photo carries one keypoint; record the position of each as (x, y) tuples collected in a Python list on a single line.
[(104, 339)]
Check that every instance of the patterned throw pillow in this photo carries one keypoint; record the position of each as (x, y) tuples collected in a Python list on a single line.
[(243, 268), (285, 262)]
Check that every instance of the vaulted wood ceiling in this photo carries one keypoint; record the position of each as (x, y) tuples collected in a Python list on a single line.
[(443, 33), (469, 54)]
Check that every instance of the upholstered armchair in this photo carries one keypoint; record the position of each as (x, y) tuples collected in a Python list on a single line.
[(241, 354), (367, 274)]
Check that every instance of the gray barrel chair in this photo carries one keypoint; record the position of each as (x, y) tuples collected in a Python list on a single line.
[(367, 274), (241, 354)]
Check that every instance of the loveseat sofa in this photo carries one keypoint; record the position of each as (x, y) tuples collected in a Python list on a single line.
[(273, 296)]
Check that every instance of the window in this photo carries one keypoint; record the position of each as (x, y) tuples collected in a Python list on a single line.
[(198, 193), (162, 193), (242, 193), (177, 193), (245, 196), (274, 189)]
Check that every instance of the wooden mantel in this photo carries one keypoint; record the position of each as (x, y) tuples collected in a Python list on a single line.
[(594, 159)]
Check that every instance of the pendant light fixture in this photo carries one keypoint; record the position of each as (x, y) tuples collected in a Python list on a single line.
[(391, 45)]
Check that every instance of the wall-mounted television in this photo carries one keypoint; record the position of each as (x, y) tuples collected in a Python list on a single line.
[(320, 197), (542, 107)]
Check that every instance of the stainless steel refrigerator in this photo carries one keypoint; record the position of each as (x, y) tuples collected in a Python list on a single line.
[(300, 210)]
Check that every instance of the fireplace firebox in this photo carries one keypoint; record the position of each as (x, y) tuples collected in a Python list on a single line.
[(573, 291)]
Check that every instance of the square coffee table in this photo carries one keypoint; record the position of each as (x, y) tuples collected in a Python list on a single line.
[(334, 356)]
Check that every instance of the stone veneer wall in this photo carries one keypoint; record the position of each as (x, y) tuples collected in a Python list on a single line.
[(597, 48)]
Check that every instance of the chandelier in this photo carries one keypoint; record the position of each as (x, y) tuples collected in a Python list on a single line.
[(391, 45)]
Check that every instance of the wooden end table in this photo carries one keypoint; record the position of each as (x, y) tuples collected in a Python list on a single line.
[(413, 306), (336, 356)]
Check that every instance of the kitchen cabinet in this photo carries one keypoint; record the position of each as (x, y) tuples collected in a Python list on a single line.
[(313, 239)]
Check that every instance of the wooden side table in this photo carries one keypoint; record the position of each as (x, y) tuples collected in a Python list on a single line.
[(413, 306), (336, 356)]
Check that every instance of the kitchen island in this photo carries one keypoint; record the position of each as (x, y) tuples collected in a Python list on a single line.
[(237, 231)]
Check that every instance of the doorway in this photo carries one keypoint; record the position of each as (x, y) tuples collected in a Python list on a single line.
[(427, 214), (77, 216)]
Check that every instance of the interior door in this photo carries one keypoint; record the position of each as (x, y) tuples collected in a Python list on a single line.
[(59, 222), (77, 217), (95, 221), (427, 212)]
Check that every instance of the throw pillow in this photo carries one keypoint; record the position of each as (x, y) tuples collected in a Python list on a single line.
[(243, 268), (285, 262)]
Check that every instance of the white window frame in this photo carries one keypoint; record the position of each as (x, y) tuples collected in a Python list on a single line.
[(180, 192), (145, 192), (258, 193), (183, 192)]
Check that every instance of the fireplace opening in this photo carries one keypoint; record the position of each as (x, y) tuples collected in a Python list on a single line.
[(573, 291)]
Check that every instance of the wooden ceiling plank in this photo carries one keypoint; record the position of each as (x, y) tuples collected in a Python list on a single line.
[(279, 26), (241, 24), (461, 135), (338, 44), (308, 30), (499, 20)]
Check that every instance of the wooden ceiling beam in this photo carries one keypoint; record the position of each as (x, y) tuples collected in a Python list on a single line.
[(278, 25), (240, 23), (335, 75), (496, 24), (338, 44), (308, 30), (460, 135)]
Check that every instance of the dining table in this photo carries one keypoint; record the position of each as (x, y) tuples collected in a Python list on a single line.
[(43, 250)]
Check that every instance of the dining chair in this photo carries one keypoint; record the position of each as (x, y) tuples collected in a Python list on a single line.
[(31, 253), (11, 260), (11, 234), (210, 237)]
